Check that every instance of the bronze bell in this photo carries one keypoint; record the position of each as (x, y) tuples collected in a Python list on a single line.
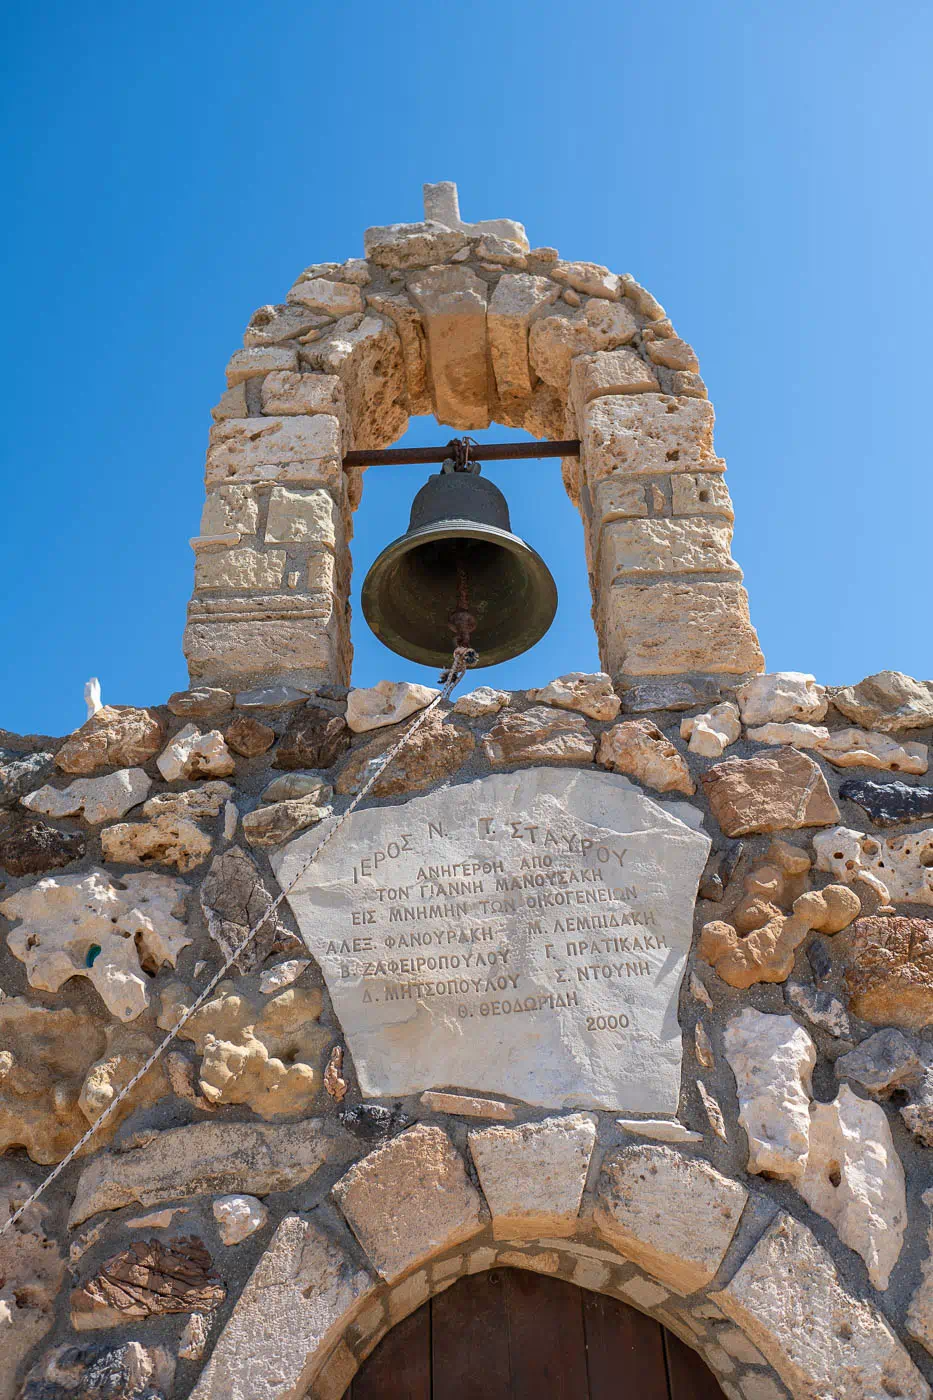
[(458, 576)]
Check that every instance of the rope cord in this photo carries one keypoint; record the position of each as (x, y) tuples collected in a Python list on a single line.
[(462, 657)]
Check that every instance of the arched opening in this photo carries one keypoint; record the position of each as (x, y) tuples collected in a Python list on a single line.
[(511, 1334), (541, 513)]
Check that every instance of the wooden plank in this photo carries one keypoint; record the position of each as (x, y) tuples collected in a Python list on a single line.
[(400, 1366), (624, 1349), (548, 1347), (690, 1377), (470, 1340)]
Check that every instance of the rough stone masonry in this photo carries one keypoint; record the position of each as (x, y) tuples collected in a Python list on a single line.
[(627, 978)]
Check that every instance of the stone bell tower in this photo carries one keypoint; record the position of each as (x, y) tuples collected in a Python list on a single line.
[(467, 322)]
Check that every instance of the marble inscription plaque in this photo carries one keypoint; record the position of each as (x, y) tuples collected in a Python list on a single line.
[(524, 934)]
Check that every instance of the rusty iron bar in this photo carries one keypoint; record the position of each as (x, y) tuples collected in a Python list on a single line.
[(482, 452)]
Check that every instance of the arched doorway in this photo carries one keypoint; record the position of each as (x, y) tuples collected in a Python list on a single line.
[(510, 1334)]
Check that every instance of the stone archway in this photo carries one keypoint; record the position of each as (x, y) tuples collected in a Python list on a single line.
[(469, 323)]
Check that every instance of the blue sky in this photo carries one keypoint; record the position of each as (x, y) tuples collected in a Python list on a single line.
[(764, 170)]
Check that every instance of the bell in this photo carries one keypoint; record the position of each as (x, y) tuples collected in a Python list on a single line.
[(458, 576)]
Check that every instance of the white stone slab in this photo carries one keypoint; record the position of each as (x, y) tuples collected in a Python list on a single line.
[(525, 934)]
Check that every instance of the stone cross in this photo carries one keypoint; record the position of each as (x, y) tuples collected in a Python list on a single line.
[(442, 206)]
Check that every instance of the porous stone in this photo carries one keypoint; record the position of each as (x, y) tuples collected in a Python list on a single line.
[(166, 840), (591, 694), (647, 696), (539, 735), (919, 1319), (533, 1175), (409, 1200), (202, 702), (239, 569), (117, 736), (275, 979), (405, 1035), (259, 360), (779, 791), (591, 279), (98, 1371), (889, 971), (248, 737), (31, 1273), (274, 822), (646, 434), (85, 926), (206, 1158), (436, 751), (665, 627), (773, 1059), (238, 1217), (556, 339), (516, 300), (609, 372), (452, 301), (233, 900), (387, 702), (672, 353), (412, 245), (482, 701), (96, 799), (628, 548), (315, 738), (330, 298), (711, 734), (801, 736), (638, 748), (672, 1215), (192, 754), (888, 804), (244, 450), (297, 517), (270, 325), (766, 950), (789, 1301), (303, 1293), (367, 358), (21, 772), (898, 867), (859, 748), (659, 1130), (150, 1279), (467, 1106), (887, 701), (31, 847), (781, 696), (407, 322), (884, 1062)]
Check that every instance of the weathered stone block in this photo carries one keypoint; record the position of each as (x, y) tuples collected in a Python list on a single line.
[(436, 751), (367, 359), (539, 735), (453, 307), (302, 516), (330, 298), (779, 791), (591, 279), (270, 325), (557, 339), (236, 569), (518, 298), (255, 449), (248, 652), (628, 547), (609, 372), (116, 736), (619, 498), (259, 360), (700, 495), (412, 245), (648, 433), (407, 322), (533, 1176), (889, 971), (229, 509), (658, 629), (887, 701), (291, 393)]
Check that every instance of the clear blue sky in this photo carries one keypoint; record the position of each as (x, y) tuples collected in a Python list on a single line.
[(763, 169)]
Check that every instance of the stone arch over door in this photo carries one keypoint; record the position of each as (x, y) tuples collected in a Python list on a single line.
[(467, 322)]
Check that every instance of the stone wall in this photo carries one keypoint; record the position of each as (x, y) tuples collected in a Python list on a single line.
[(467, 322)]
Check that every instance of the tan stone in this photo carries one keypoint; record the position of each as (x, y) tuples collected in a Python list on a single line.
[(482, 701), (32, 1271), (228, 510), (781, 696), (638, 748), (239, 569), (821, 1340), (302, 516), (887, 701), (275, 822), (780, 790), (368, 361), (590, 693), (385, 703), (628, 548), (589, 278), (687, 385), (533, 1175), (150, 1279), (700, 495), (801, 736), (467, 1106), (618, 498), (517, 299), (291, 392), (288, 1320), (259, 360), (412, 245), (647, 434), (452, 301), (556, 340), (270, 325), (231, 404), (191, 754), (410, 1200), (407, 322), (167, 840), (246, 450), (710, 734), (766, 953), (609, 372), (889, 971), (673, 354), (436, 751), (668, 627), (672, 1215), (859, 748), (248, 737), (330, 298), (96, 799), (251, 651), (117, 736), (539, 735)]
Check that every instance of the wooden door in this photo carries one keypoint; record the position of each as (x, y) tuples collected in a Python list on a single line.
[(513, 1335)]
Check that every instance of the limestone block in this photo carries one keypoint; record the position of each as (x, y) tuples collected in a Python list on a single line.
[(533, 1175), (775, 791), (772, 1058), (275, 822), (302, 517), (233, 900), (482, 701), (452, 301), (299, 1299), (782, 696), (467, 1106), (410, 1200), (412, 245), (859, 748), (889, 971), (44, 1059), (617, 498), (246, 736), (666, 627), (609, 372), (632, 547), (167, 840), (270, 325), (646, 696), (589, 278), (194, 1337), (920, 1310), (711, 734), (236, 569), (407, 322), (246, 450), (192, 754), (800, 736), (98, 1371), (898, 867), (238, 1217), (539, 735), (315, 738), (700, 495), (21, 772), (504, 251), (387, 702), (292, 786), (150, 1279), (330, 298), (887, 701), (647, 434), (245, 652), (517, 299), (116, 736), (556, 340), (367, 359), (231, 404), (590, 693), (640, 749), (436, 751), (672, 353), (85, 926), (32, 1271), (276, 979), (228, 510), (672, 1215), (442, 204), (259, 360), (96, 799), (304, 393), (206, 1159), (788, 1300)]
